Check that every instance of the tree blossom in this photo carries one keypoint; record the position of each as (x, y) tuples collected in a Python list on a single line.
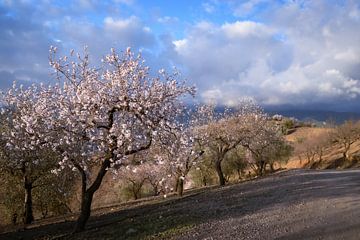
[(95, 117), (24, 151)]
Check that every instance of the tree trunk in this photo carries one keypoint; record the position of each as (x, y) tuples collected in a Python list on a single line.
[(87, 194), (239, 174), (135, 194), (155, 189), (176, 183), (272, 169), (261, 168), (86, 200), (28, 213), (219, 172), (180, 187), (204, 181), (320, 157)]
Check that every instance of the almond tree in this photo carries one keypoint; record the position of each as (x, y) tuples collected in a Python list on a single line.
[(157, 175), (264, 141), (24, 154), (314, 146), (143, 168), (135, 177), (229, 130), (180, 153), (102, 115), (347, 134), (223, 136)]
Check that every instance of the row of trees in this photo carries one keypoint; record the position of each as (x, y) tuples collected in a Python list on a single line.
[(117, 117)]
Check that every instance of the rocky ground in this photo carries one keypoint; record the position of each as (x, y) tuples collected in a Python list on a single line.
[(296, 204)]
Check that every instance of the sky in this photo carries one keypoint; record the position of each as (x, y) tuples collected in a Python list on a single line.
[(283, 53)]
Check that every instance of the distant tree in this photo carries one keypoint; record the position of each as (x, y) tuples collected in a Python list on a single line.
[(23, 152), (54, 193), (281, 153), (235, 162), (346, 135), (157, 175), (320, 142), (11, 198), (264, 141), (135, 177), (204, 173), (183, 147), (227, 132), (222, 136)]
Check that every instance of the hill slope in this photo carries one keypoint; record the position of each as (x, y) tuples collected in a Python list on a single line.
[(297, 204), (332, 155)]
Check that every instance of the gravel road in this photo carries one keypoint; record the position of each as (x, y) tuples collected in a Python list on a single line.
[(297, 204)]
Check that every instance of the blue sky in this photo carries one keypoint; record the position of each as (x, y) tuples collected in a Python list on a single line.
[(297, 53)]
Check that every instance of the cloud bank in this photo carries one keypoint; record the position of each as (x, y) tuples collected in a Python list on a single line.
[(302, 54), (296, 53)]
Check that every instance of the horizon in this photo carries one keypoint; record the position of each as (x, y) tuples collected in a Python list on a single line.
[(286, 54)]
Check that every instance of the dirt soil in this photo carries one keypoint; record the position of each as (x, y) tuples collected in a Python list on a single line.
[(296, 204)]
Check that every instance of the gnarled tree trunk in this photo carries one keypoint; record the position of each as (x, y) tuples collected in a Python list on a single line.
[(87, 194), (219, 172), (28, 213), (85, 211), (180, 187)]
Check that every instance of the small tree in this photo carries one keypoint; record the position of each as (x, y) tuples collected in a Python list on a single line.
[(204, 174), (54, 193), (263, 140), (235, 162), (229, 131), (347, 134), (135, 177), (222, 136), (24, 154), (11, 198)]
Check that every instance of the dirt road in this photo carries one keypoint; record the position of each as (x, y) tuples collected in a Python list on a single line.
[(297, 204)]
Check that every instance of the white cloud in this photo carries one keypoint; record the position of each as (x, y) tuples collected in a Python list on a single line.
[(168, 20), (300, 52), (246, 8), (126, 2), (208, 7), (128, 32), (246, 29), (303, 54), (180, 44)]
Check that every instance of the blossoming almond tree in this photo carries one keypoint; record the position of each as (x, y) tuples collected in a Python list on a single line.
[(183, 146), (24, 153), (104, 114), (180, 153), (225, 132), (263, 139)]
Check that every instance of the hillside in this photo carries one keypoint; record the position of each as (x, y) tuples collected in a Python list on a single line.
[(332, 154), (296, 204)]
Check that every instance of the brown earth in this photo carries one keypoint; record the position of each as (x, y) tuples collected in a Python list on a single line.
[(332, 158)]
